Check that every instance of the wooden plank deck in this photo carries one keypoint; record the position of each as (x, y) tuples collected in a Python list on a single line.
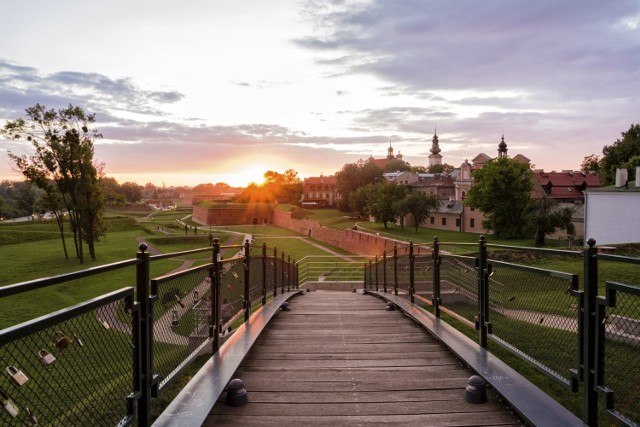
[(338, 358)]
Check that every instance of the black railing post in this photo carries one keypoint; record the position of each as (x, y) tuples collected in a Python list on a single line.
[(144, 347), (264, 273), (215, 295), (483, 279), (589, 331), (247, 280), (275, 272), (288, 273), (370, 275), (436, 277), (395, 269), (283, 274), (411, 273), (365, 275), (384, 271), (376, 265)]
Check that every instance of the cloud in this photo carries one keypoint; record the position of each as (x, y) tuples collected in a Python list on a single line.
[(22, 87)]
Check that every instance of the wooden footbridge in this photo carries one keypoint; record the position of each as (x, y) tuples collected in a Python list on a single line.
[(343, 358)]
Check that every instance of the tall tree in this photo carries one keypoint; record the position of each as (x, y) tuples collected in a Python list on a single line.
[(419, 206), (543, 216), (619, 155), (383, 201), (63, 143), (353, 176), (501, 190)]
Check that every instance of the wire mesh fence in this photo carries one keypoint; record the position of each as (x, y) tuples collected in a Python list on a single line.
[(459, 287), (72, 367), (180, 327), (534, 313), (423, 277), (619, 371)]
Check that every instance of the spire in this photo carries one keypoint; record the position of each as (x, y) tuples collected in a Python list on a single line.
[(435, 148), (502, 148), (390, 152)]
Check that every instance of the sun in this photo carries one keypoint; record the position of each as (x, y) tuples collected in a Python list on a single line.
[(246, 175)]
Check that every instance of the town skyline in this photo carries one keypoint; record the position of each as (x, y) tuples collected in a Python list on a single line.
[(224, 92)]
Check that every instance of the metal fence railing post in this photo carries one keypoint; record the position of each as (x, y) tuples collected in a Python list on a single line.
[(384, 271), (247, 280), (411, 273), (275, 272), (366, 276), (145, 342), (483, 285), (215, 295), (288, 273), (264, 273), (395, 269), (589, 331), (376, 265), (283, 274), (436, 277)]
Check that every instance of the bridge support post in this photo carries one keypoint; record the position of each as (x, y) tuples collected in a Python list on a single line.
[(436, 277), (282, 278), (589, 331), (215, 294), (264, 273), (483, 294), (412, 288), (376, 266), (144, 341), (247, 280), (395, 269), (384, 271)]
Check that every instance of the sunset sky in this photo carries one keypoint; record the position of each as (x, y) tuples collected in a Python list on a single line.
[(209, 91)]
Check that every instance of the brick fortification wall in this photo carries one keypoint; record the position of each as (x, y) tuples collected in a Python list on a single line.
[(353, 241), (232, 215)]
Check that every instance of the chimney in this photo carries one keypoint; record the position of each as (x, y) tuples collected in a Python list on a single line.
[(621, 177), (637, 176)]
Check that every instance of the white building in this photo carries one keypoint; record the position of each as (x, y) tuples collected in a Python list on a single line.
[(612, 214)]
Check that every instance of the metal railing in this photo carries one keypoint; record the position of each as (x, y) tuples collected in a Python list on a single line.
[(587, 342), (101, 362)]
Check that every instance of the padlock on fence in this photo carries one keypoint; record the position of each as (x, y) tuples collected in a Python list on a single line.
[(105, 324), (32, 420), (174, 318), (61, 340), (9, 405), (179, 301), (46, 358), (78, 340), (17, 376)]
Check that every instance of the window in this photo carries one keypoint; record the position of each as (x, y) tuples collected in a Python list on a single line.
[(433, 220), (472, 223), (457, 222), (444, 221)]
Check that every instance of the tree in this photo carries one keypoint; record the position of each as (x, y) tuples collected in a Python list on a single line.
[(383, 201), (501, 190), (63, 143), (591, 163), (619, 154), (420, 206), (353, 176), (543, 216), (396, 165), (441, 168)]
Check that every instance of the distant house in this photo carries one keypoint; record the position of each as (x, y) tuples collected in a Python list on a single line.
[(566, 186), (611, 213), (319, 191)]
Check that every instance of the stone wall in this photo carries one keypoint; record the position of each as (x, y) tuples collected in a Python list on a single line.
[(353, 241), (261, 213)]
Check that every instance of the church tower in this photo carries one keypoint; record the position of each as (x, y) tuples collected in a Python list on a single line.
[(502, 149), (435, 158), (390, 152)]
